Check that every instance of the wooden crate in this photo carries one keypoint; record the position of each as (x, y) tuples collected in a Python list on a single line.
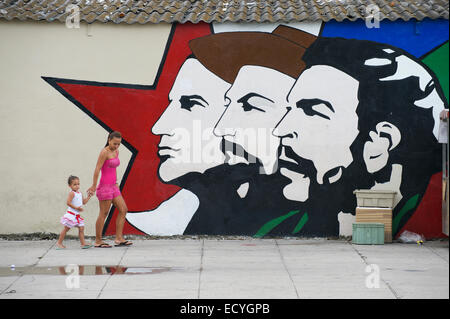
[(376, 215)]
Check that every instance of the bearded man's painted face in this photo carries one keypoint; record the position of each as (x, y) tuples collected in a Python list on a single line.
[(319, 127)]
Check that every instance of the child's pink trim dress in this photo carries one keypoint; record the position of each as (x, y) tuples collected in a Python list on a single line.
[(72, 217), (107, 188)]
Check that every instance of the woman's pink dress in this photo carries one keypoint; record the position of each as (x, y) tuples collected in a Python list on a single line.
[(107, 188)]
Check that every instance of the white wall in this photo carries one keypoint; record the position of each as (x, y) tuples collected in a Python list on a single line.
[(44, 137)]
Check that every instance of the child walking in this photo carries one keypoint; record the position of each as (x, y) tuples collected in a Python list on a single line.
[(72, 217)]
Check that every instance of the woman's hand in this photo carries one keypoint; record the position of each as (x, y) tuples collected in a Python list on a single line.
[(91, 190), (80, 209)]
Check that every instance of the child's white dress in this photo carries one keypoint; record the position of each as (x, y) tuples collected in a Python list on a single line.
[(72, 217)]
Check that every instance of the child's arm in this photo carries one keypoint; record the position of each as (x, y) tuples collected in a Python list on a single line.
[(86, 199), (69, 201)]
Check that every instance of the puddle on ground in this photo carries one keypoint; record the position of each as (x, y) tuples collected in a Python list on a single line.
[(86, 270)]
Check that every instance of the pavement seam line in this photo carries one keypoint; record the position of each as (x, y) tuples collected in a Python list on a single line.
[(109, 277), (33, 265), (437, 254), (364, 258), (287, 270), (201, 269)]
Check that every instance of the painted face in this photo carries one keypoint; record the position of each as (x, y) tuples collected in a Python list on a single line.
[(318, 129), (186, 126), (256, 102)]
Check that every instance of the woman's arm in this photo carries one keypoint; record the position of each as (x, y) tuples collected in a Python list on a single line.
[(101, 159)]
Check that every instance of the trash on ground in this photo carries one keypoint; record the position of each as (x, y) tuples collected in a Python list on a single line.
[(410, 237)]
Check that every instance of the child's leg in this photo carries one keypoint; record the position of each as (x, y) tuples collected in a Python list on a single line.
[(61, 237), (81, 235)]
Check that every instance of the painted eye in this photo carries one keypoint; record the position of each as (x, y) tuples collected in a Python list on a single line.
[(320, 110), (316, 107), (247, 107), (188, 102), (250, 101)]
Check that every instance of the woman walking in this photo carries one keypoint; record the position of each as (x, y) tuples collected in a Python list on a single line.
[(108, 191)]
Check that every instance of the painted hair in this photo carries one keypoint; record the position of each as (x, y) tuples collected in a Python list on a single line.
[(71, 179), (112, 135), (397, 88), (385, 93)]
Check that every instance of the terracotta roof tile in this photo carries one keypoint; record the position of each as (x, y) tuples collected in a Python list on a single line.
[(152, 11)]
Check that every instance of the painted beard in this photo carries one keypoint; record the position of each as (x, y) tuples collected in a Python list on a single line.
[(304, 187), (228, 147), (290, 160), (241, 171)]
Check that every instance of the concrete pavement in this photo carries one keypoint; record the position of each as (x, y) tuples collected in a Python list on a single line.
[(209, 268)]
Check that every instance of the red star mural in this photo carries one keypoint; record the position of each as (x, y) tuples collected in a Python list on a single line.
[(132, 110)]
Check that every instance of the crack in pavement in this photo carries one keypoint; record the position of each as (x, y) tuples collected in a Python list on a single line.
[(201, 269), (33, 265), (364, 258), (437, 254), (287, 270), (109, 277)]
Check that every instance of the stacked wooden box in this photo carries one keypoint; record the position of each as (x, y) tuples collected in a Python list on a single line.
[(376, 207), (376, 215)]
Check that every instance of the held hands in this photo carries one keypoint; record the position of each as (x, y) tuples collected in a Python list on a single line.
[(91, 191), (80, 209), (89, 195)]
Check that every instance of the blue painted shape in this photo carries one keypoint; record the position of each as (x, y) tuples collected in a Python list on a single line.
[(415, 37)]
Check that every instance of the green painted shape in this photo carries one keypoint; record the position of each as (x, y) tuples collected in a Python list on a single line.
[(267, 227), (438, 62), (301, 223), (410, 204)]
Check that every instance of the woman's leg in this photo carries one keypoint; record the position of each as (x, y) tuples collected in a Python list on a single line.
[(122, 209), (62, 235), (105, 205)]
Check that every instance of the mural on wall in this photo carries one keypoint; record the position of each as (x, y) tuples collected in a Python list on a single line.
[(258, 133)]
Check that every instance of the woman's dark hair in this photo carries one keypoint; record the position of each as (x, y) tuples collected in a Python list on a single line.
[(112, 135), (71, 179)]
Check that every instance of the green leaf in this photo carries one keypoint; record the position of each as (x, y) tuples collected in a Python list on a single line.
[(410, 204), (267, 227), (301, 223)]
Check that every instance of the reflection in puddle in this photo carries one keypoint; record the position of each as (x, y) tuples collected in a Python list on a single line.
[(86, 270)]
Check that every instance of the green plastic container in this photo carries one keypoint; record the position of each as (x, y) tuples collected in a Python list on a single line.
[(368, 234)]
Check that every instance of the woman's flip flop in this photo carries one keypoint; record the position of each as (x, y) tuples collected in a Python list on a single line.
[(86, 246), (124, 243), (103, 245)]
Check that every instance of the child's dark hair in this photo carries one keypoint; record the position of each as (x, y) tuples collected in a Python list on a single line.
[(113, 135), (71, 179)]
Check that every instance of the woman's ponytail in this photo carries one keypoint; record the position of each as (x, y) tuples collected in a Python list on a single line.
[(112, 135)]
